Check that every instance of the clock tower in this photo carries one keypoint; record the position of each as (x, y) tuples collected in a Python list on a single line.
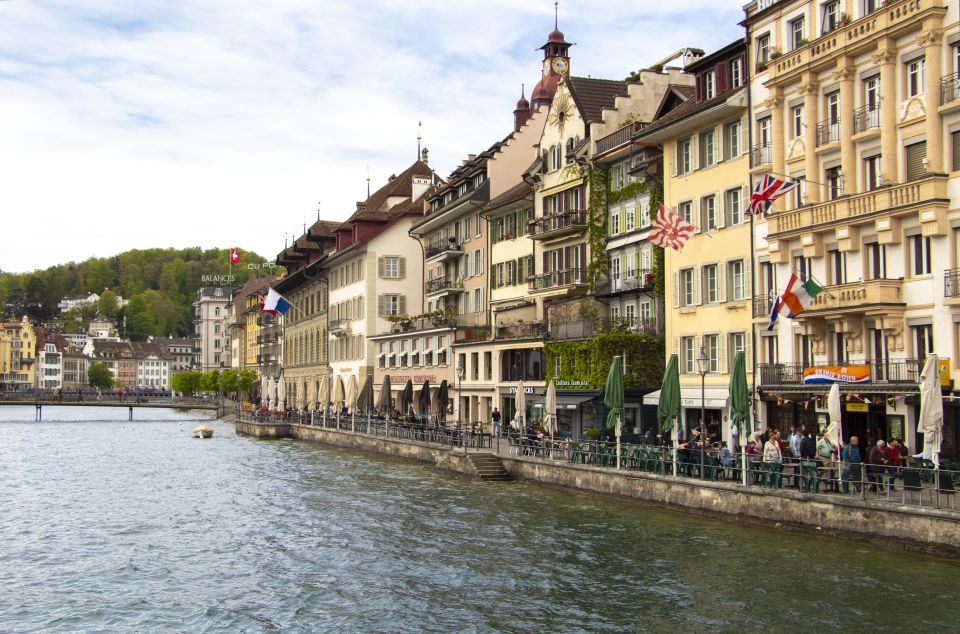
[(556, 64)]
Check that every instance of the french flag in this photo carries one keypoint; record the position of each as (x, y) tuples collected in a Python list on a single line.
[(275, 303)]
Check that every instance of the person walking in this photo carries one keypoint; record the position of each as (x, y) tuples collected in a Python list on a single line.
[(825, 454), (495, 419)]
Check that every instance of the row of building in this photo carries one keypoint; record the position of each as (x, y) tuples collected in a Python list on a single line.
[(531, 262)]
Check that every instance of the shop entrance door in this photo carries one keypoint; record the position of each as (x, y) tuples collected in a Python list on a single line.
[(869, 426)]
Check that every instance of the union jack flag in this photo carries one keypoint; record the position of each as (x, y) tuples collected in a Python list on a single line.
[(767, 191), (670, 230)]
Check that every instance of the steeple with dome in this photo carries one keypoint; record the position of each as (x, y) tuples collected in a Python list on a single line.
[(556, 64)]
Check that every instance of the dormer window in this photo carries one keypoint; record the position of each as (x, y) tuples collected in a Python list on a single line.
[(710, 85)]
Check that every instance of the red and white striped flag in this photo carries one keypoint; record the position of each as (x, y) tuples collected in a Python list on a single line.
[(670, 230)]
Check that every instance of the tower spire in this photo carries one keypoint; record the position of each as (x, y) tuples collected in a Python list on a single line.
[(556, 11), (368, 180), (419, 138)]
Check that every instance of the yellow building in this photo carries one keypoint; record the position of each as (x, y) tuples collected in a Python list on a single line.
[(860, 101), (18, 355), (706, 172)]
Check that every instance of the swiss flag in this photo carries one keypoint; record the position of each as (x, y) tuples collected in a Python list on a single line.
[(234, 256)]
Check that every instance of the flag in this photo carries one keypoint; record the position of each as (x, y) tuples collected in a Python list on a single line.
[(670, 230), (767, 191), (778, 303), (275, 303), (799, 295), (234, 256)]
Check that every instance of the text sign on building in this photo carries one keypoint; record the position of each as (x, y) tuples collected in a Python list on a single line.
[(526, 390), (218, 279), (573, 383), (837, 374), (858, 407)]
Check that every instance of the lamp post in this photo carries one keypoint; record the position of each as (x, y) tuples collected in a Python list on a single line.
[(460, 371), (703, 366)]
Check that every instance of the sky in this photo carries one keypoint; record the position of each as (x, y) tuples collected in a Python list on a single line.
[(228, 123)]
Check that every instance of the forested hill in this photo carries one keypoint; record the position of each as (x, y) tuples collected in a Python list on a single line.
[(160, 285)]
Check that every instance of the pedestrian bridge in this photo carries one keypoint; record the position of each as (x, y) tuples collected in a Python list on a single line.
[(39, 401)]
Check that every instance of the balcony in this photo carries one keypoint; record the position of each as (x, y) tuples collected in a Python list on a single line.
[(430, 322), (521, 330), (558, 225), (828, 132), (879, 372), (811, 217), (761, 154), (890, 20), (949, 89), (266, 319), (619, 137), (866, 118), (446, 285), (951, 283), (267, 340), (762, 306), (266, 359), (340, 327), (557, 279), (440, 250), (856, 297), (586, 329), (638, 281)]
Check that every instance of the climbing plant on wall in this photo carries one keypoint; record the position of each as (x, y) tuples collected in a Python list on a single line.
[(590, 360)]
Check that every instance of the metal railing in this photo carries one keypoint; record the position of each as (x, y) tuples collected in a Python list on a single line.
[(762, 306), (761, 154), (949, 88), (828, 131), (558, 222), (902, 371), (556, 279), (951, 283), (639, 280), (866, 118), (440, 247), (520, 330), (586, 328), (619, 137), (447, 283)]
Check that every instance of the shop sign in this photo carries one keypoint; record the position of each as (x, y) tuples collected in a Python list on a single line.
[(526, 390), (858, 407), (837, 374), (218, 279), (573, 383), (944, 367), (416, 378)]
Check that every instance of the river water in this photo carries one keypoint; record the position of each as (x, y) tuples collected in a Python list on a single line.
[(108, 525)]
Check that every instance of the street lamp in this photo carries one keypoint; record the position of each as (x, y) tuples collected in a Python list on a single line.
[(460, 372), (703, 366)]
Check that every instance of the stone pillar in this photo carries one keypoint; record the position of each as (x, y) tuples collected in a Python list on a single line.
[(775, 104), (848, 155), (886, 58), (932, 41), (810, 90)]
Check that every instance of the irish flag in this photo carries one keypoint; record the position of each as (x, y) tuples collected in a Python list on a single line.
[(797, 296)]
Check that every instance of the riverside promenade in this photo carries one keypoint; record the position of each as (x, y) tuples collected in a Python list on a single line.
[(895, 518)]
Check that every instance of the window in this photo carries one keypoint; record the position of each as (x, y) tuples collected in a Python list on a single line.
[(763, 50), (834, 185), (876, 261), (833, 109), (709, 85), (838, 266), (216, 329), (869, 6), (830, 16), (922, 342), (477, 262), (771, 349), (617, 180), (916, 159), (687, 355), (708, 155), (684, 155), (765, 129), (805, 350), (711, 283), (797, 117), (801, 265), (796, 32), (955, 145), (871, 172), (391, 304), (799, 192), (614, 222), (840, 355), (871, 93), (685, 210), (738, 343), (391, 267), (711, 345), (737, 282), (732, 145), (708, 209), (734, 206), (615, 268), (736, 72), (915, 80), (920, 255), (686, 288)]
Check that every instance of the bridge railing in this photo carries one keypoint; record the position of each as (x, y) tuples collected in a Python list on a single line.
[(47, 398)]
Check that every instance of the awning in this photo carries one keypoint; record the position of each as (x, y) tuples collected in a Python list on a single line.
[(520, 346), (690, 397), (565, 400)]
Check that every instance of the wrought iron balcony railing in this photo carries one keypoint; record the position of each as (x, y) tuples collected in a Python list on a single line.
[(761, 154), (884, 372), (558, 224), (866, 118), (557, 279), (949, 88), (828, 131)]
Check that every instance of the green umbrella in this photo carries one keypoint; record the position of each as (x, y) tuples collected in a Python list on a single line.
[(613, 399), (740, 396), (668, 409)]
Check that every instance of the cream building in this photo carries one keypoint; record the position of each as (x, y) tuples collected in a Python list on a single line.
[(210, 324), (18, 355), (860, 101)]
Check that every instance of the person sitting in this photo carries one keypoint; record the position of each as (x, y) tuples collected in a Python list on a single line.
[(751, 449), (725, 455)]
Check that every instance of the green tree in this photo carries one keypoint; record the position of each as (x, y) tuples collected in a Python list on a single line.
[(98, 375), (185, 382), (150, 313), (229, 381), (210, 381), (108, 305), (246, 381), (99, 275)]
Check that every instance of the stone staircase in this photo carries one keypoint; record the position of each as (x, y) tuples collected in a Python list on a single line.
[(489, 467)]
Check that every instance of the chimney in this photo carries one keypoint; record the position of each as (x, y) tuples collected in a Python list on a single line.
[(423, 156)]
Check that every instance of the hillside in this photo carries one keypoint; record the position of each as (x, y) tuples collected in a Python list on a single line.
[(160, 285)]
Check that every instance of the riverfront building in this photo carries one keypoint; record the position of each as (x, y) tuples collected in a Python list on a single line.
[(861, 102), (210, 323), (18, 354)]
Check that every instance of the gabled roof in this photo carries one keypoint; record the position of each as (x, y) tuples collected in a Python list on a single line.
[(673, 97), (401, 185), (593, 95), (686, 109), (515, 193)]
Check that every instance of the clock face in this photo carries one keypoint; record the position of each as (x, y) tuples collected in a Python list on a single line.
[(559, 65)]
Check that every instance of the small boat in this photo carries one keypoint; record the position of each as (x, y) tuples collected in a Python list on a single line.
[(202, 431)]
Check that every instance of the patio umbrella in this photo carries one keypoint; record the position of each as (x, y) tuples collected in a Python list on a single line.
[(423, 403), (385, 401), (351, 398), (740, 404), (834, 432), (405, 401), (281, 393), (270, 394), (613, 399), (668, 408), (337, 395), (264, 392), (324, 396), (550, 415), (365, 398), (521, 407), (930, 423), (443, 396), (311, 395)]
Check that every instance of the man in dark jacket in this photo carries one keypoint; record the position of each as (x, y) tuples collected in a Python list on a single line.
[(808, 447)]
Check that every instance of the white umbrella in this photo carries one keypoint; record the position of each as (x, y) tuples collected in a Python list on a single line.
[(834, 432), (337, 396), (930, 423), (522, 406), (264, 392), (351, 398), (281, 393), (550, 418), (324, 397), (271, 394)]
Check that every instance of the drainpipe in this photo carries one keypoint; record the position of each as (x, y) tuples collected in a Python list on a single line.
[(753, 269)]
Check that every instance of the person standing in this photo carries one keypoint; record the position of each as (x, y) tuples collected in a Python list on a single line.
[(852, 462), (495, 419)]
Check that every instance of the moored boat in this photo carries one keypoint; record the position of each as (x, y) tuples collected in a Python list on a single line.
[(202, 431)]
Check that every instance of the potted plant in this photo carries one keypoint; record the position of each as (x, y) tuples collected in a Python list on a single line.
[(775, 52), (592, 433), (844, 19)]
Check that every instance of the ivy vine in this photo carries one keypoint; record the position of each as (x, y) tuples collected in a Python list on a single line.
[(590, 360)]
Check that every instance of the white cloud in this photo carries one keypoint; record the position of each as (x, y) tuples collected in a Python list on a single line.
[(223, 122)]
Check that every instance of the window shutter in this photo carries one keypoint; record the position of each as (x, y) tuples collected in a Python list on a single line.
[(955, 140), (721, 77), (697, 283), (530, 269), (721, 209), (916, 153), (676, 347), (676, 289), (381, 306), (480, 265), (402, 301), (381, 267), (695, 219), (493, 276), (402, 267), (722, 282), (722, 354), (748, 278), (676, 157)]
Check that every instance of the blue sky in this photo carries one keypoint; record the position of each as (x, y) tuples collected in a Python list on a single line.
[(225, 122)]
